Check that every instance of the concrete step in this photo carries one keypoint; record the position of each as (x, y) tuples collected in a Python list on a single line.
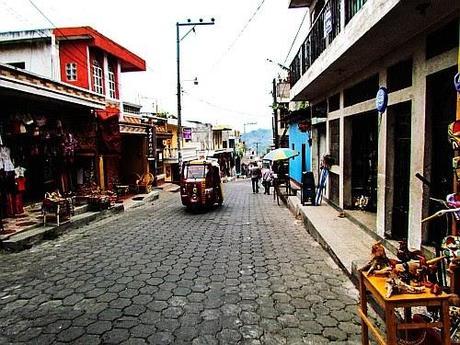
[(141, 199), (27, 239), (80, 209)]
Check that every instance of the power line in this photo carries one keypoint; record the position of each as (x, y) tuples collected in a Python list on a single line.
[(220, 107), (295, 37), (230, 47), (70, 41)]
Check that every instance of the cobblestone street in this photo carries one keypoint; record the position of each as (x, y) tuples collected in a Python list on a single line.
[(245, 273)]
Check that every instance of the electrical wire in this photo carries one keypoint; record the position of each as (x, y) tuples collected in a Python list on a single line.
[(218, 106), (230, 47), (295, 37), (69, 40)]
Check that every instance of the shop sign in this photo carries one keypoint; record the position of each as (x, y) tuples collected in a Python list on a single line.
[(457, 82), (381, 100), (187, 133), (150, 143), (327, 22)]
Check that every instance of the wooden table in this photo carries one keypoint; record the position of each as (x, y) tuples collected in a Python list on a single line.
[(376, 286)]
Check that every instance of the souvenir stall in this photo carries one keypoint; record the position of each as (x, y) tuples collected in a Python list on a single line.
[(37, 154), (412, 280)]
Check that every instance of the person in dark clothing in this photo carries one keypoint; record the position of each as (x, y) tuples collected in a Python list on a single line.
[(255, 176)]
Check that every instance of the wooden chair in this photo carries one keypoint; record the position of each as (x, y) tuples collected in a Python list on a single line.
[(145, 183)]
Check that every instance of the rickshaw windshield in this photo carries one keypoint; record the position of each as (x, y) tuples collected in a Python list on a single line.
[(195, 171)]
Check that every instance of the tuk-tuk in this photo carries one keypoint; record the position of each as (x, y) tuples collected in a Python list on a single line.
[(200, 184)]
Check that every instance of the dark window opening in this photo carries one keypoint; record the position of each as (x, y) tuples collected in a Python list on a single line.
[(442, 40), (334, 189), (334, 102), (399, 75), (320, 109), (367, 89), (364, 146), (334, 143), (21, 65)]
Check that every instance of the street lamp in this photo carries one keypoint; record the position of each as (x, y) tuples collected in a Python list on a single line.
[(179, 88)]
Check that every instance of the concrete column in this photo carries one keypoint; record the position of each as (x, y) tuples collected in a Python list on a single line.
[(417, 147), (341, 159), (105, 66), (381, 164), (347, 133), (342, 143), (328, 147)]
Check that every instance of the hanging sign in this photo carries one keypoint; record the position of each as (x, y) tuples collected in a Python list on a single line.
[(150, 143), (187, 133), (381, 100), (457, 82), (327, 22)]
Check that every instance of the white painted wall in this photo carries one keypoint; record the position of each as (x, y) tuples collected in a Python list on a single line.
[(37, 56)]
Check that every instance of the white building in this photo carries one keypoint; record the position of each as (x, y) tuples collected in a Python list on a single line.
[(353, 48)]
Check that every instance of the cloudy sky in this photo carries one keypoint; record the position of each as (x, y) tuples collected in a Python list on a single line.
[(234, 76)]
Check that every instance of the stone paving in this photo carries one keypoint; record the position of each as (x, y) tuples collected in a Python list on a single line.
[(245, 273)]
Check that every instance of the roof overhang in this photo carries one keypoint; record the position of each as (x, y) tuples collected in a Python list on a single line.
[(130, 62), (19, 80)]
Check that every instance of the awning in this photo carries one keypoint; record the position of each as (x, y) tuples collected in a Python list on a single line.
[(130, 129)]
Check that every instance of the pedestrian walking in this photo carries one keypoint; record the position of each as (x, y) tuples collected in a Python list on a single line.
[(267, 179), (255, 176)]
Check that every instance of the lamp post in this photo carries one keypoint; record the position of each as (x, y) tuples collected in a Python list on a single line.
[(179, 88)]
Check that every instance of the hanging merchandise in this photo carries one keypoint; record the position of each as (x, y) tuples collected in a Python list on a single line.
[(5, 159)]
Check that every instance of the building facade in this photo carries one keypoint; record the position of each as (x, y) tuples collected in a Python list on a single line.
[(86, 59), (48, 139), (353, 49)]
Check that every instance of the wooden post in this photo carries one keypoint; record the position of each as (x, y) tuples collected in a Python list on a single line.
[(101, 172)]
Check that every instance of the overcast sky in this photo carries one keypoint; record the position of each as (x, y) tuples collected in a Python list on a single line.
[(234, 84)]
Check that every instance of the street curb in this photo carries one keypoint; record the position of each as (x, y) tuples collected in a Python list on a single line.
[(26, 240), (152, 196)]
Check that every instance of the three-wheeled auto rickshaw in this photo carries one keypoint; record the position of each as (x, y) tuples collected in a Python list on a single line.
[(200, 184)]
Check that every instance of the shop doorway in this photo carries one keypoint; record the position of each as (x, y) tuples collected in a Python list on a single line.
[(399, 118), (364, 144), (134, 151), (441, 109)]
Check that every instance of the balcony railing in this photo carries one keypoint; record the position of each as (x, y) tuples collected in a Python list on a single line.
[(352, 7), (323, 31)]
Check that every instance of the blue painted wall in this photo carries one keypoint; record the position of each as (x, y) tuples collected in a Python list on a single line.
[(298, 138)]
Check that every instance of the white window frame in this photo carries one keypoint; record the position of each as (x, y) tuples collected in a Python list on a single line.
[(112, 83), (98, 78), (71, 71)]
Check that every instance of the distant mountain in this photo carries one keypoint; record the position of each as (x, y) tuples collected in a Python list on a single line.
[(261, 136)]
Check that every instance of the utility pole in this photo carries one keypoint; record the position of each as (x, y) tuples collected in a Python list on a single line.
[(247, 124), (179, 87), (275, 116)]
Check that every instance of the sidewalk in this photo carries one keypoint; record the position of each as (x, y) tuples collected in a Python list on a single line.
[(348, 244), (31, 236)]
